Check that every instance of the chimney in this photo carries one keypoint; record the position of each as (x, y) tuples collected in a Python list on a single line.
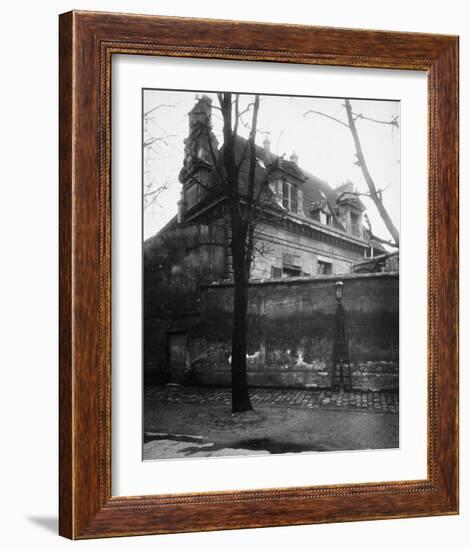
[(294, 158), (266, 147), (200, 114), (200, 145), (181, 207), (197, 147)]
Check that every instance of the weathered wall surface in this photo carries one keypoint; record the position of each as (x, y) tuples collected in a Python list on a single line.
[(188, 321), (159, 366), (380, 263), (176, 262), (276, 240), (291, 332)]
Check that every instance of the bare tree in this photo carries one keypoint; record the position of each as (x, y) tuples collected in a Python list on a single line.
[(242, 237), (155, 139), (246, 201), (374, 193)]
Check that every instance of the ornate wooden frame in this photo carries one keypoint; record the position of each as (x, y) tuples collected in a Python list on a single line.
[(87, 42)]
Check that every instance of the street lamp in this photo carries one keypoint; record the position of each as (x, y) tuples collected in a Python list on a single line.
[(339, 291), (341, 376)]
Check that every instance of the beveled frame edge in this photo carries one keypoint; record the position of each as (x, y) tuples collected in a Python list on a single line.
[(87, 42)]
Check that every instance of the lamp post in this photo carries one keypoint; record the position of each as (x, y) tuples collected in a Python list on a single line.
[(339, 291), (341, 376)]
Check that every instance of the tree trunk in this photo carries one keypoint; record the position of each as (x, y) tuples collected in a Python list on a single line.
[(239, 227), (240, 390)]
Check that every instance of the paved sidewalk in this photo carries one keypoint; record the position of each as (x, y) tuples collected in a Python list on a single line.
[(381, 402)]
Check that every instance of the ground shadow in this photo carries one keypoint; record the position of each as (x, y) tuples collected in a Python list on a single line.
[(48, 523)]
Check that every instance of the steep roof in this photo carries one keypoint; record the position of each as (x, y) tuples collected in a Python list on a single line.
[(346, 194), (315, 190), (317, 193), (241, 148)]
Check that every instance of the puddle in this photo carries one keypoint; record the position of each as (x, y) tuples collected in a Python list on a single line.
[(260, 444), (199, 444), (152, 436), (273, 446)]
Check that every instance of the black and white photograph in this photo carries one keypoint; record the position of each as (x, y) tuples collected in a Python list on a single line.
[(231, 287), (270, 260)]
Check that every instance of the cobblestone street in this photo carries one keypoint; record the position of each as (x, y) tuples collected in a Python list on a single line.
[(193, 421), (381, 402)]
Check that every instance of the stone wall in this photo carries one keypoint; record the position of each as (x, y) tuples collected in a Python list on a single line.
[(176, 262), (291, 333)]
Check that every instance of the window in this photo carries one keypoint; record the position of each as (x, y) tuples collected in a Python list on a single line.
[(291, 271), (290, 197), (276, 272), (355, 223), (324, 268), (291, 265), (325, 218)]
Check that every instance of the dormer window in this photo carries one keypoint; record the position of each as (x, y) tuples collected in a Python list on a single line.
[(322, 216), (355, 224), (290, 197), (325, 218)]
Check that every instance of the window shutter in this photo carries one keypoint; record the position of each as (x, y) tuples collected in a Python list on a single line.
[(300, 203), (279, 189), (286, 195), (287, 258), (291, 259), (294, 199)]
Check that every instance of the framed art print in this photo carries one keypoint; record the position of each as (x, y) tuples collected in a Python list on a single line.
[(259, 300)]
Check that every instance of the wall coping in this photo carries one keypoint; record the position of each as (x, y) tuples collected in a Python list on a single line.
[(315, 278)]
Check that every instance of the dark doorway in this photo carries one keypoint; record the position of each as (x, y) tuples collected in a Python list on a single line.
[(176, 357)]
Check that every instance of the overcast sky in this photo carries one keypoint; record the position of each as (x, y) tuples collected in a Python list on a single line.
[(324, 147)]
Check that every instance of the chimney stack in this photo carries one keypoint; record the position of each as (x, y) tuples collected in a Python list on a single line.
[(197, 147), (181, 207), (200, 114), (266, 147), (294, 157)]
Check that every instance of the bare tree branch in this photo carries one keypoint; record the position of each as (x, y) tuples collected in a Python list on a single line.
[(151, 194), (353, 194), (252, 152), (326, 116), (236, 114), (393, 122), (243, 156), (146, 114), (369, 180), (375, 237), (374, 194), (153, 140), (153, 189)]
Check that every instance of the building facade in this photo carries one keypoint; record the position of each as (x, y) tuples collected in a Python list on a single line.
[(307, 230)]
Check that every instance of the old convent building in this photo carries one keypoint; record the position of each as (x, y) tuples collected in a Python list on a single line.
[(308, 231)]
